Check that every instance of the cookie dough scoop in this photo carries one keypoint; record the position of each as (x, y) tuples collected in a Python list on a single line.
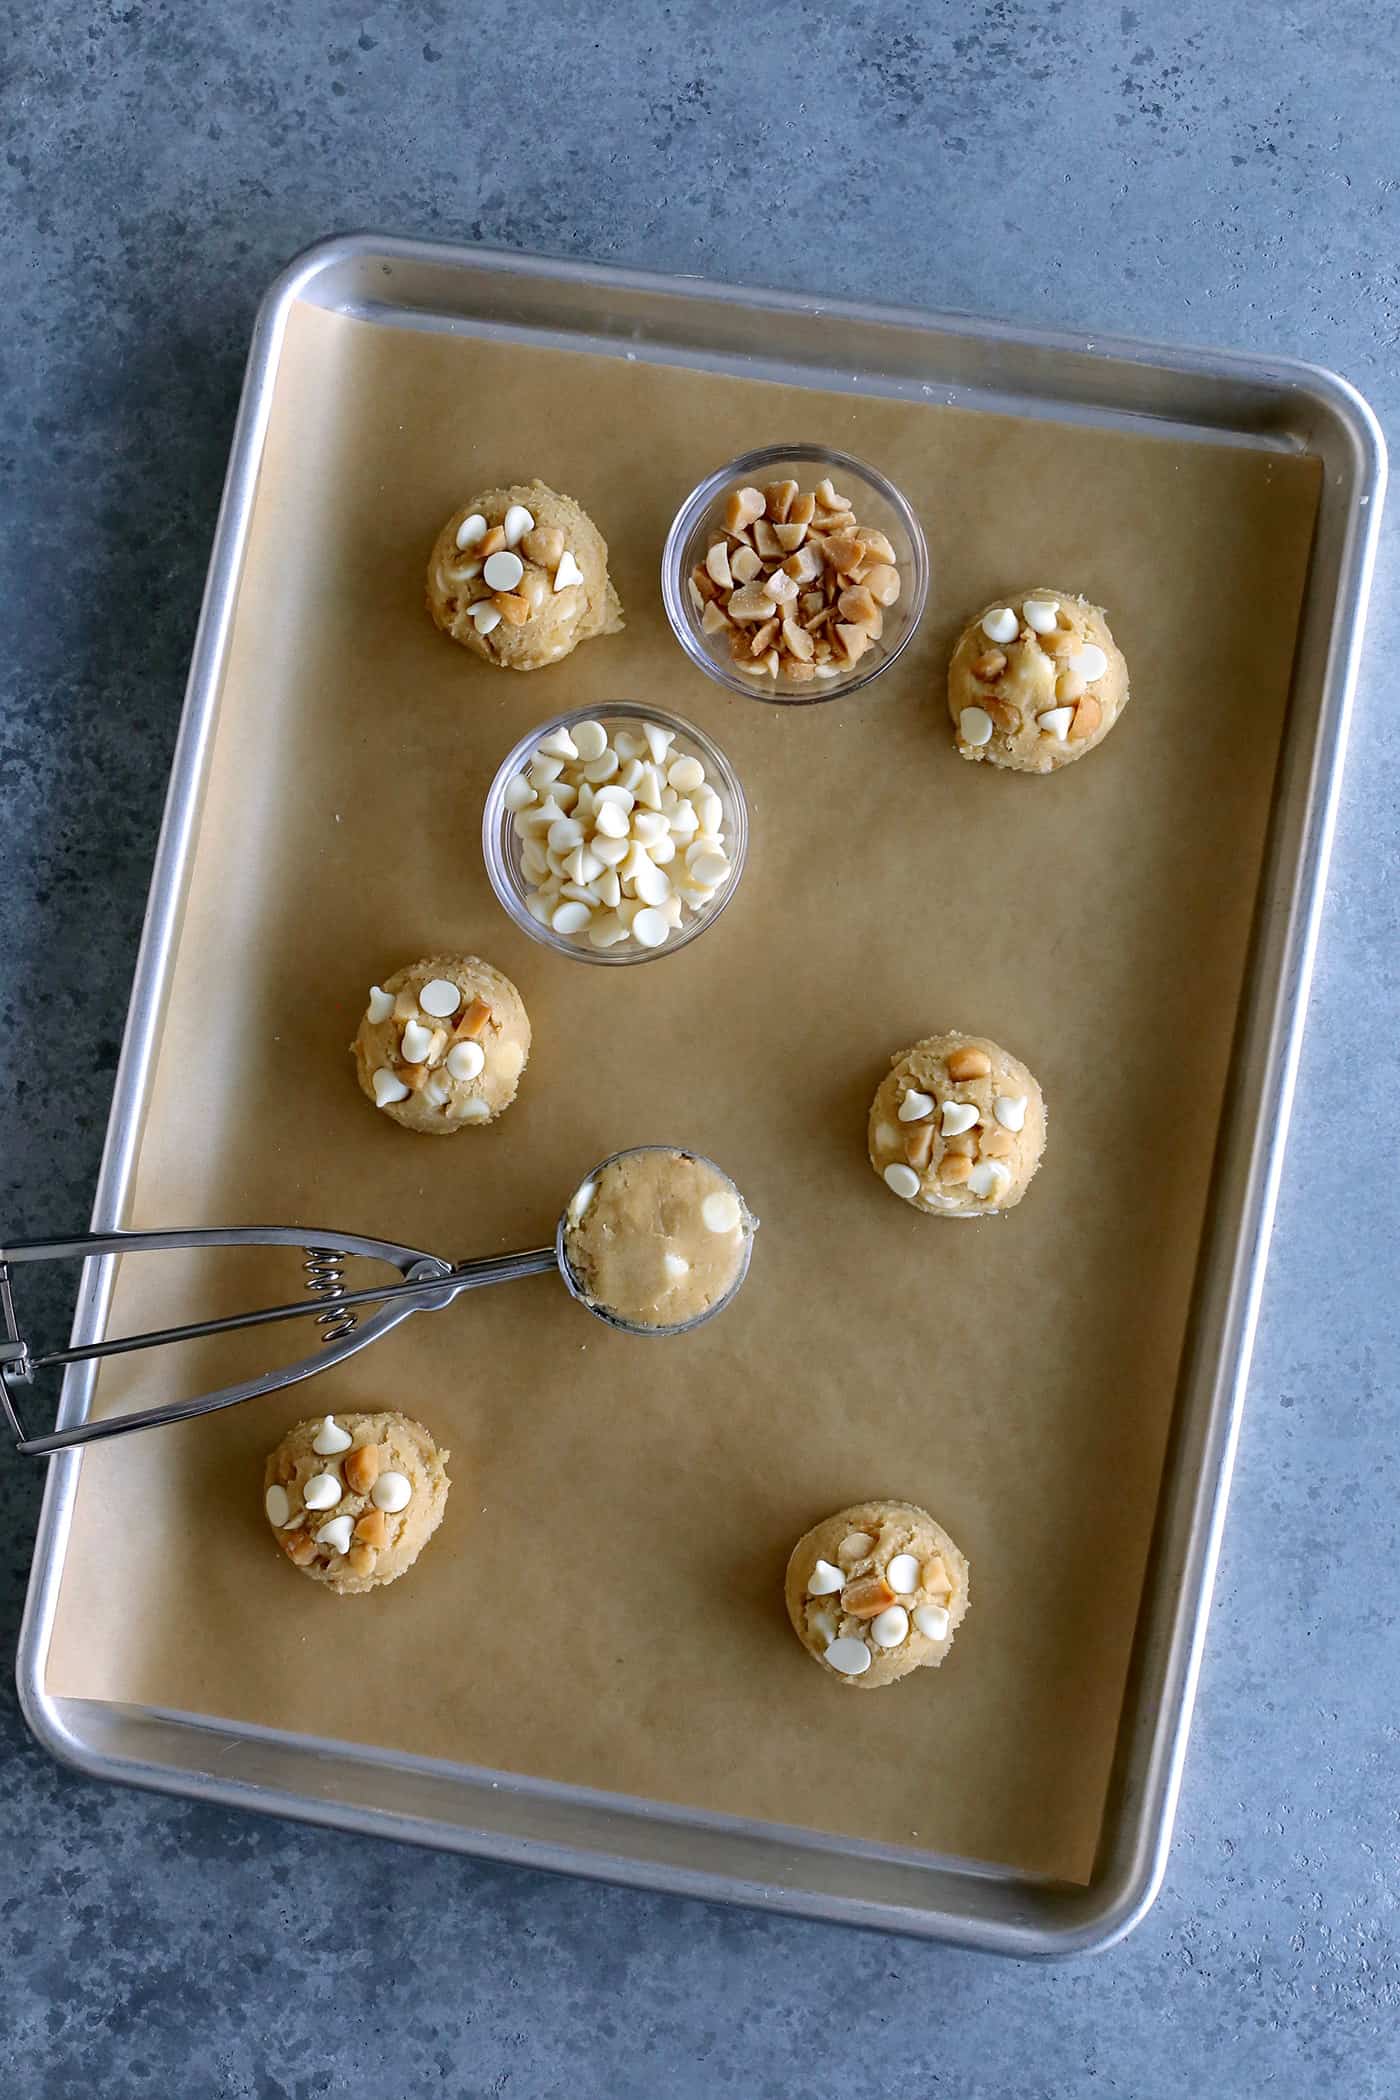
[(655, 1240)]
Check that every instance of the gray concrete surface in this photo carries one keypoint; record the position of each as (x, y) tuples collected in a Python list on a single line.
[(1221, 175)]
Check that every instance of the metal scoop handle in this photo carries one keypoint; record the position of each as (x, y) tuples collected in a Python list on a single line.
[(428, 1283)]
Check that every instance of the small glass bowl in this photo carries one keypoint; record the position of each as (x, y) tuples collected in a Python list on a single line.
[(612, 1319), (875, 502), (502, 847)]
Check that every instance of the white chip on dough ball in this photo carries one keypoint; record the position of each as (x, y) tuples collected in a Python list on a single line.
[(486, 617), (322, 1491), (999, 625), (440, 998), (891, 1628), (571, 917), (650, 927), (675, 1265), (902, 1574), (381, 1005), (721, 1211), (915, 1106), (417, 1042), (825, 1580), (391, 1492), (388, 1088), (848, 1655), (503, 570), (278, 1506), (1090, 662), (516, 523), (330, 1438), (903, 1180), (466, 1061), (473, 1111), (975, 726), (1040, 614), (336, 1535), (567, 572), (854, 1546), (471, 530), (1010, 1111), (932, 1621), (989, 1177), (1055, 722), (957, 1117), (590, 739)]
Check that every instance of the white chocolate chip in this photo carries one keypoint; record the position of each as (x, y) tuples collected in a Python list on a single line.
[(721, 1211), (958, 1116), (581, 1198), (903, 1180), (391, 1493), (437, 1093), (652, 884), (822, 1624), (503, 570), (516, 523), (902, 1574), (518, 792), (886, 1137), (890, 1627), (417, 1042), (709, 869), (567, 572), (322, 1491), (1000, 625), (650, 927), (915, 1106), (1055, 722), (440, 998), (854, 1546), (563, 835), (628, 745), (473, 1111), (848, 1655), (607, 930), (603, 767), (1090, 662), (685, 775), (989, 1177), (381, 1005), (486, 616), (388, 1088), (471, 530), (466, 1060), (1040, 614), (675, 1265), (337, 1534), (330, 1438), (659, 741), (612, 821), (571, 917), (1010, 1111), (278, 1505), (825, 1580), (650, 826), (557, 743), (932, 1621), (590, 740), (975, 726)]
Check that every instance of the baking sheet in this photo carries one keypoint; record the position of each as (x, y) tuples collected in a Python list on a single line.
[(642, 1498)]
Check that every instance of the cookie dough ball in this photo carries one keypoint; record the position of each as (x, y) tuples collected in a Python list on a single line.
[(1036, 681), (876, 1591), (353, 1499), (657, 1238), (443, 1044), (520, 577), (957, 1127)]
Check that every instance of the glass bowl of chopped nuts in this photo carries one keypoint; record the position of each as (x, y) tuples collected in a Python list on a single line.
[(794, 574), (615, 833)]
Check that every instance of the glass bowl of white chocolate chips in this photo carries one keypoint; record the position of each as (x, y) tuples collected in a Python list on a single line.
[(795, 574), (615, 834)]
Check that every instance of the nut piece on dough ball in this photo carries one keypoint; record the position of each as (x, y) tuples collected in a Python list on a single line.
[(1036, 681), (520, 577), (353, 1499), (957, 1127), (876, 1591), (443, 1044)]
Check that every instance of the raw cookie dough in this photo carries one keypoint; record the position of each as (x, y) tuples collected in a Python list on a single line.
[(876, 1591), (547, 591), (657, 1238), (1036, 681), (957, 1127), (353, 1499), (443, 1044)]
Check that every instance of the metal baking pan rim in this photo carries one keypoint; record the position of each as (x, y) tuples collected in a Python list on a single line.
[(1128, 1875)]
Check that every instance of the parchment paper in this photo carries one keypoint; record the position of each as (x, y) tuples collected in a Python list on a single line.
[(633, 1502)]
